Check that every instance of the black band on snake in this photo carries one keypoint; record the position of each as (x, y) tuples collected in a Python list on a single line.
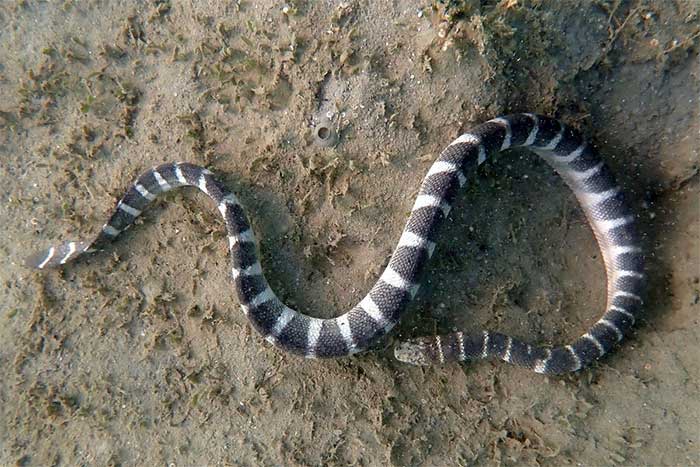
[(376, 314)]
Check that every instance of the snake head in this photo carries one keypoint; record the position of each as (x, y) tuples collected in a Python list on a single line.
[(413, 351)]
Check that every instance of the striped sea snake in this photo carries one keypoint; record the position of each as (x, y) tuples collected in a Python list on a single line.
[(376, 314)]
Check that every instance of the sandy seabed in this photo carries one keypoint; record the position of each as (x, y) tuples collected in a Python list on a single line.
[(139, 355)]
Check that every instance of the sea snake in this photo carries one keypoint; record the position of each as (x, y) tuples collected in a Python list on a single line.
[(378, 312)]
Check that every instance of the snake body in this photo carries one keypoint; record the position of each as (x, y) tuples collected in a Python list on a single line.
[(577, 162)]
